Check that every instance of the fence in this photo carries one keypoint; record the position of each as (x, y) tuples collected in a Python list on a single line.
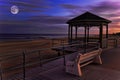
[(15, 66), (112, 42)]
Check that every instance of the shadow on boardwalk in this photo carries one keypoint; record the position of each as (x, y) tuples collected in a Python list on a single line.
[(55, 70), (109, 70)]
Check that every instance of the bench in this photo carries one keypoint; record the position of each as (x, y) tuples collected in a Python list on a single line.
[(77, 60)]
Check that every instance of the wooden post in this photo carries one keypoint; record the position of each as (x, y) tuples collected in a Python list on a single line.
[(1, 73), (40, 58), (63, 51), (71, 33), (107, 31), (85, 39), (24, 75), (100, 35), (85, 35), (88, 34), (76, 32), (68, 33), (106, 35)]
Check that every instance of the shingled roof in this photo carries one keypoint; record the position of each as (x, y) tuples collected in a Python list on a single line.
[(88, 17)]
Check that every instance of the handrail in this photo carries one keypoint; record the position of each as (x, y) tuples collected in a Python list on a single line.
[(30, 52), (25, 53), (11, 53), (33, 51)]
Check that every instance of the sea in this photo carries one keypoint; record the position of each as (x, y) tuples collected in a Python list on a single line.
[(25, 37), (20, 37)]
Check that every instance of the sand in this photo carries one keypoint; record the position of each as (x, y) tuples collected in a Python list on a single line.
[(31, 49), (11, 53)]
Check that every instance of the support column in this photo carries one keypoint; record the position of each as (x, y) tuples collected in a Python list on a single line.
[(88, 33), (68, 33), (106, 35), (101, 35), (107, 31), (85, 36), (85, 39), (76, 32), (71, 35)]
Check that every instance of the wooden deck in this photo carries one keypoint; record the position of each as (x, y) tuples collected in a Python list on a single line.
[(109, 70)]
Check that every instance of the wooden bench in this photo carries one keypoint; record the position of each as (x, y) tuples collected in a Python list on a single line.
[(78, 60)]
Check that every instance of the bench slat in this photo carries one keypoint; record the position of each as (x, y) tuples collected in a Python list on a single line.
[(82, 60)]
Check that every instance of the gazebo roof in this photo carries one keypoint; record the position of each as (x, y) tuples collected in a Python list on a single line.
[(88, 18)]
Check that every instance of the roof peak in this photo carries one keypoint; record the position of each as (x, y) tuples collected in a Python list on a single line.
[(88, 16)]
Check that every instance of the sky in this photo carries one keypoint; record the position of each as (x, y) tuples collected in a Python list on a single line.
[(50, 16)]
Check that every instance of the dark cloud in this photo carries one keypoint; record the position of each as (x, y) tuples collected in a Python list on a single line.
[(70, 6), (105, 7), (49, 19), (73, 9), (38, 16), (109, 10), (28, 28), (23, 4), (36, 24), (30, 6)]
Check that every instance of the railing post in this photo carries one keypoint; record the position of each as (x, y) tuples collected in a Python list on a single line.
[(62, 42), (1, 77), (85, 46), (40, 58), (63, 50), (52, 42), (115, 42), (106, 43), (24, 75)]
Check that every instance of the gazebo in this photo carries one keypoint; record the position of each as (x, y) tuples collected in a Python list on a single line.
[(87, 20)]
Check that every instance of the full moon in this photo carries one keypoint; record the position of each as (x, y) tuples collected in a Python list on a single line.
[(14, 9)]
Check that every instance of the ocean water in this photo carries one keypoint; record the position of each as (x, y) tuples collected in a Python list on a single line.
[(17, 37)]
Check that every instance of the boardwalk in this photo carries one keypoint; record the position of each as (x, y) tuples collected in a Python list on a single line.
[(54, 70), (109, 70)]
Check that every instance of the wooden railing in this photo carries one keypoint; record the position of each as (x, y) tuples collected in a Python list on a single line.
[(113, 42), (16, 64)]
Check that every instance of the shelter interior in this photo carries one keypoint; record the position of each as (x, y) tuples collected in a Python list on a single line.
[(87, 20)]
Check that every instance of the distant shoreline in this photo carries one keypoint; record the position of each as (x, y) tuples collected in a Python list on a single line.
[(27, 37), (7, 37)]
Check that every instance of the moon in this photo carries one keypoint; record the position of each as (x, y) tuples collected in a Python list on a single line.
[(14, 9)]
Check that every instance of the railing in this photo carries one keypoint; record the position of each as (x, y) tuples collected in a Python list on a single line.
[(19, 62), (113, 42), (58, 42), (16, 64), (22, 61)]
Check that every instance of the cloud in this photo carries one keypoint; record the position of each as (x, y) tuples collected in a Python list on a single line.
[(73, 9), (70, 6), (105, 7), (28, 28), (29, 7), (19, 3), (49, 19), (36, 24), (42, 15)]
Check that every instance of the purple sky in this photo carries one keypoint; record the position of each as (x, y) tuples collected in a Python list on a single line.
[(50, 16)]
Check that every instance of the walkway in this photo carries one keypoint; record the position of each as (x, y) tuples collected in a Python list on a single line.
[(109, 70)]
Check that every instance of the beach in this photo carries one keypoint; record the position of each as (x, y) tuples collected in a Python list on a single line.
[(36, 51), (11, 54)]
